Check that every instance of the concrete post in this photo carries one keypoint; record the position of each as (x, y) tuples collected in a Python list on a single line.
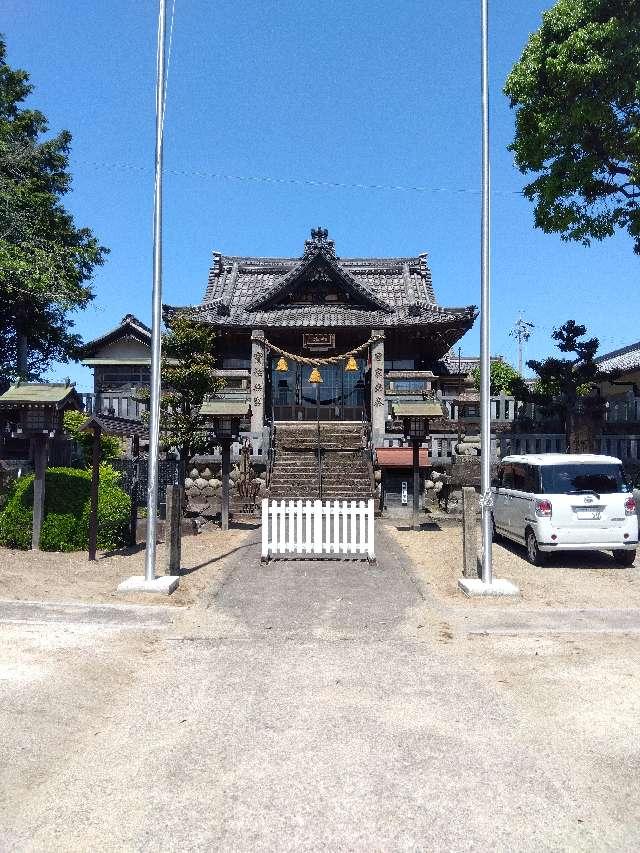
[(40, 455), (378, 399), (258, 359), (173, 529), (469, 532)]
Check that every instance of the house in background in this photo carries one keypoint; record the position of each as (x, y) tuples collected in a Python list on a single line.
[(622, 394), (121, 362)]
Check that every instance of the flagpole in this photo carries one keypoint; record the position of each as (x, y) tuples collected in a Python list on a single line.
[(485, 304), (486, 584), (156, 312)]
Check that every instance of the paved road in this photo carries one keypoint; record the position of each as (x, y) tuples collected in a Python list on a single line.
[(317, 706)]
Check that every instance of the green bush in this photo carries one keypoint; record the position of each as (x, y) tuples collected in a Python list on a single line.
[(110, 445), (67, 506)]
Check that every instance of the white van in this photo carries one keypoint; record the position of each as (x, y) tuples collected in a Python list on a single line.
[(559, 502)]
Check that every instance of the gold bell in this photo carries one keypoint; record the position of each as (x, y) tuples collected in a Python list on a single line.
[(282, 365), (315, 376), (350, 365)]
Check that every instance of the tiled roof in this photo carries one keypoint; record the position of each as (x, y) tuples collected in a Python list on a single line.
[(230, 408), (450, 365), (114, 425), (625, 358), (38, 393), (421, 408), (129, 325), (383, 292)]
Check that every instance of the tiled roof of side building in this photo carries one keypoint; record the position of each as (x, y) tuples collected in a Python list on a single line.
[(625, 358), (129, 325)]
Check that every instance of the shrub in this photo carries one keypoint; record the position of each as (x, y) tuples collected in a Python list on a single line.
[(110, 445), (65, 526)]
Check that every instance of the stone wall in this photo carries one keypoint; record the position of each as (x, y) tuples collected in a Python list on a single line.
[(203, 490)]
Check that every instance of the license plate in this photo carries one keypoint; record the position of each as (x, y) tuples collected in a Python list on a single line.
[(589, 514)]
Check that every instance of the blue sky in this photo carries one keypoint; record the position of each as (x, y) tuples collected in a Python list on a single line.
[(359, 92)]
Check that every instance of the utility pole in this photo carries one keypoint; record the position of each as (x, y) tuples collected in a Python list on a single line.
[(521, 334)]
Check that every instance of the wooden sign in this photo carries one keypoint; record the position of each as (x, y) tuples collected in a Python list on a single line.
[(318, 342)]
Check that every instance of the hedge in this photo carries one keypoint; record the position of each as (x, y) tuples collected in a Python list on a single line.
[(67, 505)]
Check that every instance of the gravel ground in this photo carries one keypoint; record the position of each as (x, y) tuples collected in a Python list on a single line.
[(317, 707), (52, 576), (579, 579)]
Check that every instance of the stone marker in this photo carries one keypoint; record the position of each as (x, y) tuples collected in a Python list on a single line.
[(469, 532), (173, 529)]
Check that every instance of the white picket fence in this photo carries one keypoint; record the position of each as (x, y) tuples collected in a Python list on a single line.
[(318, 528)]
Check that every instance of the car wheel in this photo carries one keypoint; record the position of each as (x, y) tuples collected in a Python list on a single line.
[(624, 558), (535, 556)]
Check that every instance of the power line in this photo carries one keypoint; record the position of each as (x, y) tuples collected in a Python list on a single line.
[(269, 179)]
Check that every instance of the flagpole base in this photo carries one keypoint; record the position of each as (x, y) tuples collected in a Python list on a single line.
[(163, 585), (475, 587)]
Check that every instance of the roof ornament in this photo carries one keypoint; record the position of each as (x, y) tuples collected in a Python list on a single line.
[(319, 240)]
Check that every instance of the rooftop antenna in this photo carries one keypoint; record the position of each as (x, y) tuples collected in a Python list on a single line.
[(521, 333)]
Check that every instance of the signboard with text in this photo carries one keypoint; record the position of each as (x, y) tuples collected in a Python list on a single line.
[(318, 342)]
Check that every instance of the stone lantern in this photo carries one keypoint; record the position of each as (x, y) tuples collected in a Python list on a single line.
[(415, 419), (35, 411), (225, 419)]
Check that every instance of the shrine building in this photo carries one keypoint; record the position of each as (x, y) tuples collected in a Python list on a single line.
[(370, 326)]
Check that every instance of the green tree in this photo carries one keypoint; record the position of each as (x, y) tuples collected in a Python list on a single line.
[(502, 377), (110, 445), (576, 91), (188, 363), (567, 387), (46, 262)]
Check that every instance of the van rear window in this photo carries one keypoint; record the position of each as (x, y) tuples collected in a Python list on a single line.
[(574, 479)]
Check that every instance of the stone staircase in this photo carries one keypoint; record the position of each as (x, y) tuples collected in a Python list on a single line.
[(345, 473)]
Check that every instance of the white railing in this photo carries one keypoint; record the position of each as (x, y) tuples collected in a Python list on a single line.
[(318, 529)]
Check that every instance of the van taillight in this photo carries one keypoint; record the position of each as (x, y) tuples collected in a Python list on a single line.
[(543, 508), (629, 506)]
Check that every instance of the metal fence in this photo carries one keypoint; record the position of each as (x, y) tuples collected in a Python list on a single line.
[(171, 472)]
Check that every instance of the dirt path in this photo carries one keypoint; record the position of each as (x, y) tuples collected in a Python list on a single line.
[(49, 576)]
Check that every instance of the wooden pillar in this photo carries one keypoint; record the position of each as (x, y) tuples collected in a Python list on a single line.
[(416, 484), (258, 359), (40, 454), (378, 399), (135, 492), (226, 465), (173, 529), (95, 483)]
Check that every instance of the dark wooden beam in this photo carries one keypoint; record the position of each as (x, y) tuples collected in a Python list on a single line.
[(226, 465), (416, 483), (95, 483)]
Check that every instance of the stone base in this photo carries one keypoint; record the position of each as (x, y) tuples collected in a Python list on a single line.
[(474, 587), (163, 585)]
